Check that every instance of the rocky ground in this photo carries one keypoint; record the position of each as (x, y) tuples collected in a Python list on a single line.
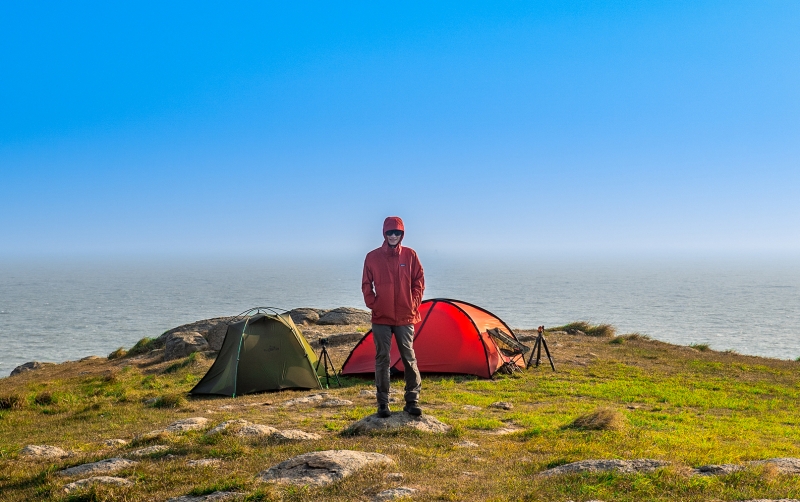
[(110, 466)]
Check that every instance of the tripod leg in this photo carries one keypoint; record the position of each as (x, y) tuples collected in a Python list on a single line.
[(533, 353), (547, 351)]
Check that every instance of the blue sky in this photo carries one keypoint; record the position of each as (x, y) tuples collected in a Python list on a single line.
[(519, 128)]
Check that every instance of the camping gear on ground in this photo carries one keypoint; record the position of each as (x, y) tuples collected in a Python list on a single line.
[(325, 359), (451, 337), (537, 350), (262, 351)]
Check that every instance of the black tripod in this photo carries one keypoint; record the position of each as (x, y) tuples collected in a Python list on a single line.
[(325, 359), (537, 350)]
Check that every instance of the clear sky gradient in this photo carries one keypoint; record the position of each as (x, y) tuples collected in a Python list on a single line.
[(199, 128)]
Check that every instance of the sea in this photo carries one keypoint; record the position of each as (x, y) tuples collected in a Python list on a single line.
[(59, 310)]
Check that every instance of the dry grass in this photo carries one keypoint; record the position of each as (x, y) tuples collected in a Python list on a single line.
[(599, 330), (602, 419)]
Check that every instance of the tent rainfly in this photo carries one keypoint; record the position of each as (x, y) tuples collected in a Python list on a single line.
[(260, 353), (452, 337)]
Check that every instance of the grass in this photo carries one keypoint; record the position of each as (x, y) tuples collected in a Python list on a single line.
[(600, 330), (638, 398)]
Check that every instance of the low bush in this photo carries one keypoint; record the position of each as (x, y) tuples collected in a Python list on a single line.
[(44, 398), (702, 347), (144, 345), (602, 419), (11, 402), (170, 401), (120, 352), (578, 327)]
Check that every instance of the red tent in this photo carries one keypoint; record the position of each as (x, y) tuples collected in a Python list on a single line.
[(451, 338)]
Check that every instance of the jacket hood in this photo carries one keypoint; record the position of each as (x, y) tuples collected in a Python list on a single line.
[(393, 223)]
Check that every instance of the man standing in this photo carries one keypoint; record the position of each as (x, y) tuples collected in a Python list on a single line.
[(392, 284)]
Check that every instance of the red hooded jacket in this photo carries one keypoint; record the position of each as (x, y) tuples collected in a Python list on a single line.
[(393, 281)]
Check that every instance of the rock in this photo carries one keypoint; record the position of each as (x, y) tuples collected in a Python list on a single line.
[(97, 480), (228, 424), (373, 423), (313, 398), (345, 315), (213, 330), (466, 444), (43, 451), (717, 470), (782, 465), (334, 403), (255, 431), (187, 424), (150, 401), (394, 476), (179, 345), (322, 467), (90, 358), (114, 443), (305, 315), (203, 462), (503, 405), (29, 366), (107, 466), (469, 407), (211, 497), (394, 493), (622, 466), (150, 450), (294, 435)]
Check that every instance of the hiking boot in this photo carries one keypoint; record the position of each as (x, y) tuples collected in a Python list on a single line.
[(384, 411), (412, 408)]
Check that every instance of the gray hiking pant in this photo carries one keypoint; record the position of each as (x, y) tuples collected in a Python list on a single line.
[(404, 336)]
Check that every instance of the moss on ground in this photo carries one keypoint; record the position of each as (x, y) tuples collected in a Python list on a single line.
[(612, 397)]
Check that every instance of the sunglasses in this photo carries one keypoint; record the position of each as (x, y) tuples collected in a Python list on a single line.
[(394, 233)]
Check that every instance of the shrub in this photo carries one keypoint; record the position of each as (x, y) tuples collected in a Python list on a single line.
[(602, 419), (578, 327), (144, 345), (635, 336), (617, 340), (170, 401), (702, 347), (120, 352), (11, 402), (44, 398)]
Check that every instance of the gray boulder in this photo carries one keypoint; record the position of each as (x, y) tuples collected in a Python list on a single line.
[(621, 466), (398, 420), (43, 451), (107, 466), (148, 451), (179, 345), (29, 366), (394, 493), (306, 315), (187, 424), (213, 330), (345, 315), (97, 480), (321, 468)]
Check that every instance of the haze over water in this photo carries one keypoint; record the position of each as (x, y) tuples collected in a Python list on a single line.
[(56, 311)]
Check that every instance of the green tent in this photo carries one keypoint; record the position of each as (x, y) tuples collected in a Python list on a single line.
[(261, 352)]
